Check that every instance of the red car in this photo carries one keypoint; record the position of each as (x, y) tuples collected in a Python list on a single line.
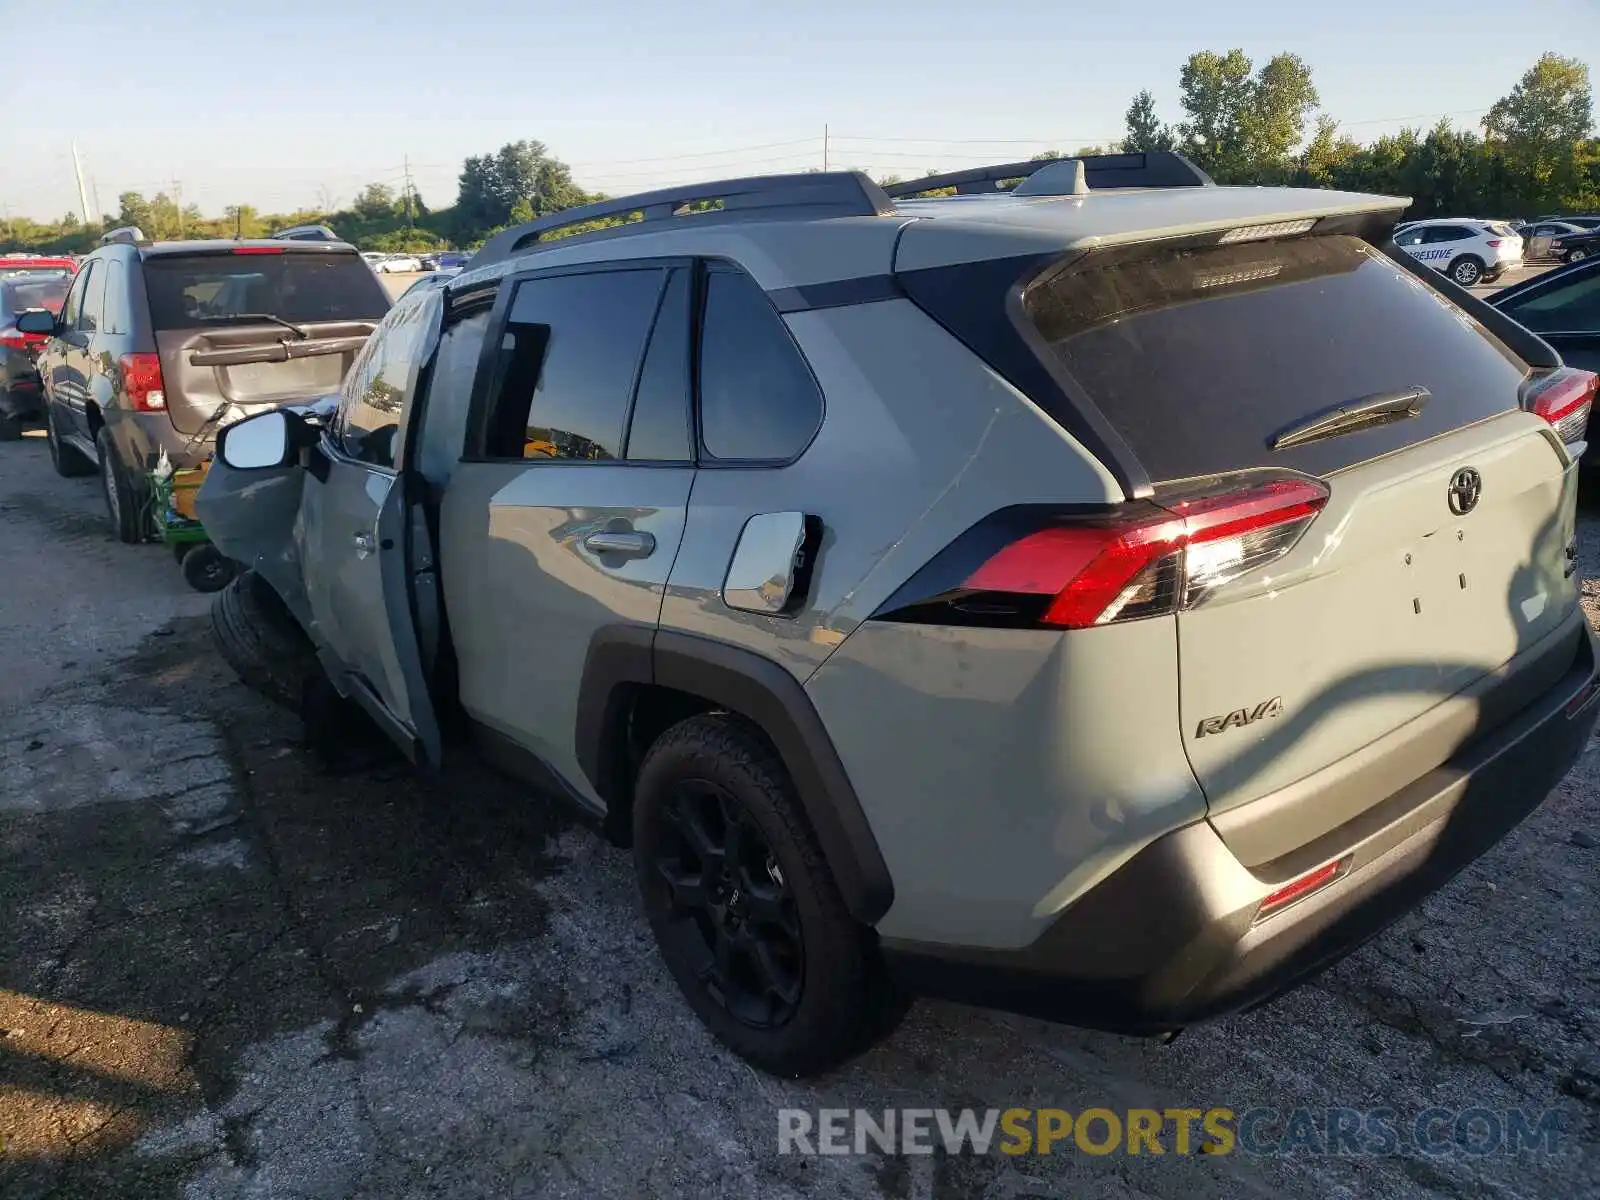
[(31, 264), (21, 390)]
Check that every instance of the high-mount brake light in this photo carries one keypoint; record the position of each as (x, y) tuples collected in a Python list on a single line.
[(1256, 233), (1563, 398), (1147, 560), (258, 250), (141, 382)]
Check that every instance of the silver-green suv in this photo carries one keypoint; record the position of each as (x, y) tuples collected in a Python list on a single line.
[(1110, 599)]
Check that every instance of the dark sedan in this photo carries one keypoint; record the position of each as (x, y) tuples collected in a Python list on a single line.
[(1575, 247), (1563, 307), (21, 395)]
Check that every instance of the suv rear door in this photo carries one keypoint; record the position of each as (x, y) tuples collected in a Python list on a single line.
[(221, 352), (1405, 590), (566, 511)]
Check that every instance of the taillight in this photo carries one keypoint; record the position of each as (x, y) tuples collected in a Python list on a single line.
[(1564, 398), (1143, 560), (1493, 243), (141, 382)]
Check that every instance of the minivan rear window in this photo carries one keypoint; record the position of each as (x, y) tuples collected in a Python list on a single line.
[(1198, 356), (18, 295), (192, 291)]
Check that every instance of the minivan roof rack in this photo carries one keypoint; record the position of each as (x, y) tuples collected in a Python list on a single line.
[(130, 235), (801, 197), (1146, 169)]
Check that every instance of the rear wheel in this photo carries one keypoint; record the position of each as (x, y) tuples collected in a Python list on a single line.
[(260, 639), (1466, 270), (124, 504), (744, 908), (65, 459), (1577, 254)]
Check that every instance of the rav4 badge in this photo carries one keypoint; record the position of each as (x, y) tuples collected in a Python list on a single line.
[(1240, 717)]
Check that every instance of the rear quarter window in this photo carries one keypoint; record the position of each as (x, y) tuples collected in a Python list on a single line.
[(1199, 356)]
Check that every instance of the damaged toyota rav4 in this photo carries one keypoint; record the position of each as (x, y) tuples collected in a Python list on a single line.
[(1110, 597)]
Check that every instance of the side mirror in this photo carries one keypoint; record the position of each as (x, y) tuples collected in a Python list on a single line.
[(36, 320), (254, 443)]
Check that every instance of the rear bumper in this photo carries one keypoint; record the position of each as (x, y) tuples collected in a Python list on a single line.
[(1171, 937)]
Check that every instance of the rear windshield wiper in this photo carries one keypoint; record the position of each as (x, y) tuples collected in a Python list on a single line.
[(1361, 413), (298, 330)]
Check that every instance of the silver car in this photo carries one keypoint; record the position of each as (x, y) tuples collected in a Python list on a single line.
[(1112, 599)]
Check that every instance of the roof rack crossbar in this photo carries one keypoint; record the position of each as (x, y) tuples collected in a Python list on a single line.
[(803, 196), (1152, 169)]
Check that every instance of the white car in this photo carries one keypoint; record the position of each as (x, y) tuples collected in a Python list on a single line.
[(374, 258), (1469, 251), (400, 264)]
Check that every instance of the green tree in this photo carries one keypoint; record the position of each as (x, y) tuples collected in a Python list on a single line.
[(1243, 125), (1145, 130), (492, 184), (1541, 129), (376, 202), (134, 209)]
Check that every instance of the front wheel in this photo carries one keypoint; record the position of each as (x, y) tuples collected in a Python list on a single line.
[(1466, 271), (744, 908)]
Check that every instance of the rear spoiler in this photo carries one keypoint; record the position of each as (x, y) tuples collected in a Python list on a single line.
[(1153, 169), (277, 352)]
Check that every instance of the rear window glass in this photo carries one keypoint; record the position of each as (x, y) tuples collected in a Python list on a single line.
[(1198, 357), (17, 295), (34, 272), (191, 291)]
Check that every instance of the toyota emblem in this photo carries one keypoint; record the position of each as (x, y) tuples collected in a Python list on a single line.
[(1466, 486)]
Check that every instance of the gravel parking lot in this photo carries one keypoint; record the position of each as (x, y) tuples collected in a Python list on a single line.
[(229, 972)]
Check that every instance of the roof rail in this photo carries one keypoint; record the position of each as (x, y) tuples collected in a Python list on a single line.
[(800, 197), (130, 235), (1147, 169)]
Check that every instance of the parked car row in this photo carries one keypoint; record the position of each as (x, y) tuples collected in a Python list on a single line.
[(1111, 601), (411, 264)]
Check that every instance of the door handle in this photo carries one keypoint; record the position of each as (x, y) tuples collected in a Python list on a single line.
[(629, 544), (363, 541)]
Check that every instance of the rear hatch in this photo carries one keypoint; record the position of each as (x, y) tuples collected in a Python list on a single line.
[(244, 328), (1440, 553)]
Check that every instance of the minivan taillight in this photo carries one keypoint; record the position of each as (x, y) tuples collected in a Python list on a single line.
[(141, 382), (1144, 560), (1563, 398)]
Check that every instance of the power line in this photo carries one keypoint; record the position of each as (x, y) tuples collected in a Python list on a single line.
[(619, 162)]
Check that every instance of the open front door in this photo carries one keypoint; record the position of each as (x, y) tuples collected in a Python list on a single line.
[(362, 543)]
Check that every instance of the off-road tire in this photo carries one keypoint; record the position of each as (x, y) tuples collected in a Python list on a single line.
[(846, 1001), (260, 639), (124, 502), (67, 461), (1467, 271)]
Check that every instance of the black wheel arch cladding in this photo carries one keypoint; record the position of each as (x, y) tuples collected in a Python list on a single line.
[(623, 659)]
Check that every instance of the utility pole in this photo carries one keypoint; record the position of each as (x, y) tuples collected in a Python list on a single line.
[(824, 145), (408, 192), (83, 195)]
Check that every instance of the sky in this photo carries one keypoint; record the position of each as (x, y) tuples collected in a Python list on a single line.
[(301, 104)]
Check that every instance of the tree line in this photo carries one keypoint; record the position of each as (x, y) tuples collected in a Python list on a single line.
[(1240, 123)]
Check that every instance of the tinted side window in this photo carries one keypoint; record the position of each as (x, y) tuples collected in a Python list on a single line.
[(1570, 306), (1410, 237), (383, 377), (449, 396), (567, 363), (758, 400), (73, 308), (659, 430), (94, 299)]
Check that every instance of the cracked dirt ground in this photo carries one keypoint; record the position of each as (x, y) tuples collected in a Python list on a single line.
[(226, 974)]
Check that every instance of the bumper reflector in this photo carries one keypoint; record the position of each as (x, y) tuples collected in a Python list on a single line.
[(1298, 889)]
